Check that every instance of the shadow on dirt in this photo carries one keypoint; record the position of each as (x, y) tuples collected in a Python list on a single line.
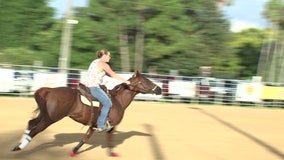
[(258, 141), (47, 149)]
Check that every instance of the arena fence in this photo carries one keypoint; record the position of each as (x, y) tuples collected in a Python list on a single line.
[(20, 80)]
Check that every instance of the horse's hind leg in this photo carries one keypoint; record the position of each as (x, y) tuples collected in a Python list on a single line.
[(86, 137), (35, 126)]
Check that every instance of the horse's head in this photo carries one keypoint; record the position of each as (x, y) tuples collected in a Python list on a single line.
[(141, 84)]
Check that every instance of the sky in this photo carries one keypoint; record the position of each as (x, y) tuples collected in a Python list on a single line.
[(61, 5), (246, 14), (242, 14)]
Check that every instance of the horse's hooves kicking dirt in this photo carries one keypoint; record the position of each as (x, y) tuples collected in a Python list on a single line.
[(72, 154), (17, 148), (114, 155)]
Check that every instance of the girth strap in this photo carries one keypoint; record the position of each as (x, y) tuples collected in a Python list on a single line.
[(85, 91)]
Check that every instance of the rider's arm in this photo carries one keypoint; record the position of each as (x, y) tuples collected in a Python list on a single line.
[(111, 73)]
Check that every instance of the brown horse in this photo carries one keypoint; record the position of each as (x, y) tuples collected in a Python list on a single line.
[(57, 103)]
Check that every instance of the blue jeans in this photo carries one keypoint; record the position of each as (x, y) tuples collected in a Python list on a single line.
[(106, 102)]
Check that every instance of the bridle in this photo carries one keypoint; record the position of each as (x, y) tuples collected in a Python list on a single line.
[(136, 88)]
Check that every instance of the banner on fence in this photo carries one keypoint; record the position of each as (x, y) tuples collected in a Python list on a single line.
[(6, 80), (183, 89), (272, 93), (49, 80), (249, 92), (15, 81)]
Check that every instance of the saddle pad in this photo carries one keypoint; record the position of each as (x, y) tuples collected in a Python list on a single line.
[(85, 101)]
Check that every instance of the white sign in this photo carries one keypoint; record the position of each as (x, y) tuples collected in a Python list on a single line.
[(15, 80), (6, 80), (49, 80), (185, 89), (249, 92)]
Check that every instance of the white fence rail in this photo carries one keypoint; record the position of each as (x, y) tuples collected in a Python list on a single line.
[(24, 80)]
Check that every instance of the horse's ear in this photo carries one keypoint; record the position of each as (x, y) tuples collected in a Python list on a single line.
[(137, 73)]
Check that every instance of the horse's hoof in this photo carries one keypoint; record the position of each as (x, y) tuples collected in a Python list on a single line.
[(17, 148), (114, 155), (72, 154)]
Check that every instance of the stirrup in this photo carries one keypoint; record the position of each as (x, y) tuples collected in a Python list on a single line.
[(106, 128), (109, 125)]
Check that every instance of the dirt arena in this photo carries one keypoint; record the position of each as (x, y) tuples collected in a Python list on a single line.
[(153, 131)]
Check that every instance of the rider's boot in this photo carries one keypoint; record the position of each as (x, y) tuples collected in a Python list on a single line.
[(106, 128)]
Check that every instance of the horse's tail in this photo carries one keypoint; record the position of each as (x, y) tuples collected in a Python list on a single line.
[(40, 98)]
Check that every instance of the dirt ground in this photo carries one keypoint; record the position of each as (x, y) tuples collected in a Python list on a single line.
[(153, 131)]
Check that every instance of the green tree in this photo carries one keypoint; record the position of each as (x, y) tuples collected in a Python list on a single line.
[(273, 70), (166, 35), (186, 35), (247, 47), (274, 12), (22, 23), (105, 24), (177, 35), (22, 20)]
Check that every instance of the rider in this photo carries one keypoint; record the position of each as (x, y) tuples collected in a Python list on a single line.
[(97, 70)]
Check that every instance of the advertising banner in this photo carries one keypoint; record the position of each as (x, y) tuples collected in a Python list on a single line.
[(184, 89), (49, 80), (272, 93), (249, 92)]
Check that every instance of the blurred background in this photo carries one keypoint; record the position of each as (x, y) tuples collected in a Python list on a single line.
[(184, 45)]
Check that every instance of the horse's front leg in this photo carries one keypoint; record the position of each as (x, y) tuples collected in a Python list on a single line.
[(110, 145), (86, 137)]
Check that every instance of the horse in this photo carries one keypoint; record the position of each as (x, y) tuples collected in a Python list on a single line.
[(53, 104)]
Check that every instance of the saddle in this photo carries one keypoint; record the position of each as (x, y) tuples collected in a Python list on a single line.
[(85, 91)]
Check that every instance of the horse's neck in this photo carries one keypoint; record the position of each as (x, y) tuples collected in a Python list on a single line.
[(124, 97)]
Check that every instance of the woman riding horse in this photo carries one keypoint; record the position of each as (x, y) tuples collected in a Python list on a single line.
[(96, 72), (57, 103)]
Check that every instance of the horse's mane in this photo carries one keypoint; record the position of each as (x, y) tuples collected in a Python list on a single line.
[(118, 88)]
